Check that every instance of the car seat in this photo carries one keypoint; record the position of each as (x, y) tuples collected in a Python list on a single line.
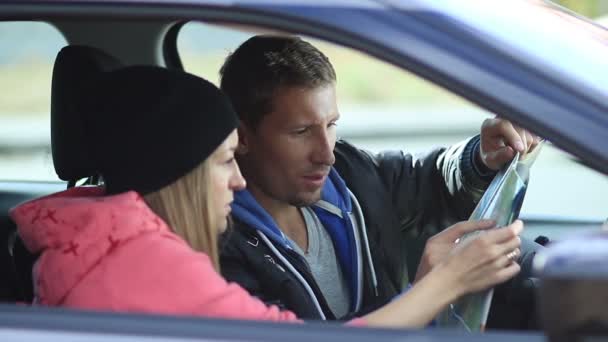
[(74, 67)]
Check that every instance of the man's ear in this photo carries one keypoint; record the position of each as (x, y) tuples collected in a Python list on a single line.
[(244, 140)]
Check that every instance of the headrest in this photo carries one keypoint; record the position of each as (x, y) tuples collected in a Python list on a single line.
[(74, 67)]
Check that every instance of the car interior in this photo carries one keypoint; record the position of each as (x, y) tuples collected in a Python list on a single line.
[(89, 50), (71, 159)]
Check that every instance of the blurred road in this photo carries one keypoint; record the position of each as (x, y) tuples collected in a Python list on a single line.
[(559, 186)]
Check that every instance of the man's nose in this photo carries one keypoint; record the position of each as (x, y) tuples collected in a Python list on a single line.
[(324, 151)]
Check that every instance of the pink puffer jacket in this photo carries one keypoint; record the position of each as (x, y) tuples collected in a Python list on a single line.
[(113, 253)]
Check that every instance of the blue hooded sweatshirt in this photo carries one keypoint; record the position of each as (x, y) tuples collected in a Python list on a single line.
[(334, 217)]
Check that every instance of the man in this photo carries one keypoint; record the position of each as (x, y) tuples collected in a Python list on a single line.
[(325, 229)]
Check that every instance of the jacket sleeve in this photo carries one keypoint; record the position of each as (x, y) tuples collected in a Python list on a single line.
[(430, 191), (433, 191), (161, 274)]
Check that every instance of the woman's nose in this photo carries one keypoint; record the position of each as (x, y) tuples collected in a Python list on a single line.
[(237, 182)]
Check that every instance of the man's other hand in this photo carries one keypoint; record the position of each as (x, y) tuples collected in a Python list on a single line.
[(501, 139)]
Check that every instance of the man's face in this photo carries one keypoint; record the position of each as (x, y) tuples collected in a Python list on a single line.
[(288, 156)]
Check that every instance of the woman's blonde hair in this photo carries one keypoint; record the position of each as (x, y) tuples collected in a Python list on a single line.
[(185, 205)]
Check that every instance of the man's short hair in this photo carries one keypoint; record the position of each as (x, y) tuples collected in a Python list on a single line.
[(263, 64)]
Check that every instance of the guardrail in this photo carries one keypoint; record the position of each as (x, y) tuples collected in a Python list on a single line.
[(29, 132), (32, 131)]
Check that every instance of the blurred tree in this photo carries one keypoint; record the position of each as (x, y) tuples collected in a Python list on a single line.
[(588, 8)]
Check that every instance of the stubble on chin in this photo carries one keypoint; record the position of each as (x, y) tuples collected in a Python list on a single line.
[(305, 199)]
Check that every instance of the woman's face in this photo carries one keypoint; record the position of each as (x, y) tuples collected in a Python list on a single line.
[(225, 178)]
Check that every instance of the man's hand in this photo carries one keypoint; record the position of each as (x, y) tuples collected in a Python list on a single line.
[(439, 246), (500, 140)]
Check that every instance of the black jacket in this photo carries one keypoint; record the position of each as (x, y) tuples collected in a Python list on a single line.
[(404, 200)]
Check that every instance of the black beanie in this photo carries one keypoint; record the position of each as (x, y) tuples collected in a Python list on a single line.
[(149, 126)]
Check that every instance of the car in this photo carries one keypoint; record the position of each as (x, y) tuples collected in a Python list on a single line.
[(531, 62)]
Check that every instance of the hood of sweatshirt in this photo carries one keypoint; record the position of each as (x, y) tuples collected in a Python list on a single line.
[(335, 200)]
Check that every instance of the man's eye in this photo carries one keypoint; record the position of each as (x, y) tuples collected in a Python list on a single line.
[(332, 124), (300, 131), (229, 161)]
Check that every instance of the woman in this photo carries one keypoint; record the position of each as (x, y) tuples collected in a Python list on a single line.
[(164, 142)]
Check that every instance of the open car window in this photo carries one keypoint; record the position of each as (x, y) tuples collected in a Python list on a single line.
[(384, 107), (26, 66)]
